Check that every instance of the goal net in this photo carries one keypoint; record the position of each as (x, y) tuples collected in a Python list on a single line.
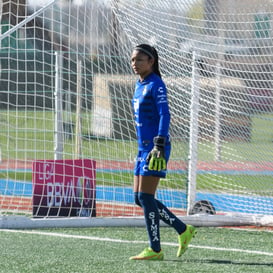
[(67, 133)]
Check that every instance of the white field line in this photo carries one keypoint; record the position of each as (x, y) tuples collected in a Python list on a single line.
[(92, 238)]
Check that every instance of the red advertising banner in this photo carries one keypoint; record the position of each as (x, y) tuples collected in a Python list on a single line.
[(64, 188)]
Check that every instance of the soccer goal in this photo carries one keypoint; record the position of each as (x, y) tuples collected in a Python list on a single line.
[(67, 138)]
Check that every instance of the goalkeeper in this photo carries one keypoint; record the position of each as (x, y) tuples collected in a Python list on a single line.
[(152, 119)]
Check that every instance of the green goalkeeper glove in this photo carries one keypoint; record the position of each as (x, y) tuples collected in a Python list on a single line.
[(156, 157)]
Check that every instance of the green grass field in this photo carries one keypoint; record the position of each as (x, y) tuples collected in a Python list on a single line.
[(106, 250), (99, 250), (203, 180), (30, 135), (17, 127)]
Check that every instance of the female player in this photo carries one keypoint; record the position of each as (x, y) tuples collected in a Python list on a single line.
[(152, 119)]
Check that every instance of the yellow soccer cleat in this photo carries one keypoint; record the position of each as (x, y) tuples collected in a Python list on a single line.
[(149, 254), (184, 239)]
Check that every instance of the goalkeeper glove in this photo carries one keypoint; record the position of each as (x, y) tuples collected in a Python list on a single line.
[(156, 157)]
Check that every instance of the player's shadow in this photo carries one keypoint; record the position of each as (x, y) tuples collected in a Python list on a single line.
[(237, 262), (212, 261)]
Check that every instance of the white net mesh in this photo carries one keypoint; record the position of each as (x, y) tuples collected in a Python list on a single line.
[(66, 89)]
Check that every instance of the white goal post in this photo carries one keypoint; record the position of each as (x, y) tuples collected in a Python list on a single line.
[(67, 138)]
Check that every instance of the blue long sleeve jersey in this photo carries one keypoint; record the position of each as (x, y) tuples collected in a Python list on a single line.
[(151, 111)]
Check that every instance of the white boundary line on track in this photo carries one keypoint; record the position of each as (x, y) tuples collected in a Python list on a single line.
[(92, 238)]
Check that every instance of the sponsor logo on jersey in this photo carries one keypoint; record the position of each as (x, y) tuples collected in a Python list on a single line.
[(145, 91), (160, 89), (136, 105)]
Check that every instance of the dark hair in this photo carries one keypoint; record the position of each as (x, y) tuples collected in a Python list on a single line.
[(151, 52)]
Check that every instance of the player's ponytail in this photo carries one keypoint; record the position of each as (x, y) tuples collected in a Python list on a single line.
[(151, 52), (156, 62)]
